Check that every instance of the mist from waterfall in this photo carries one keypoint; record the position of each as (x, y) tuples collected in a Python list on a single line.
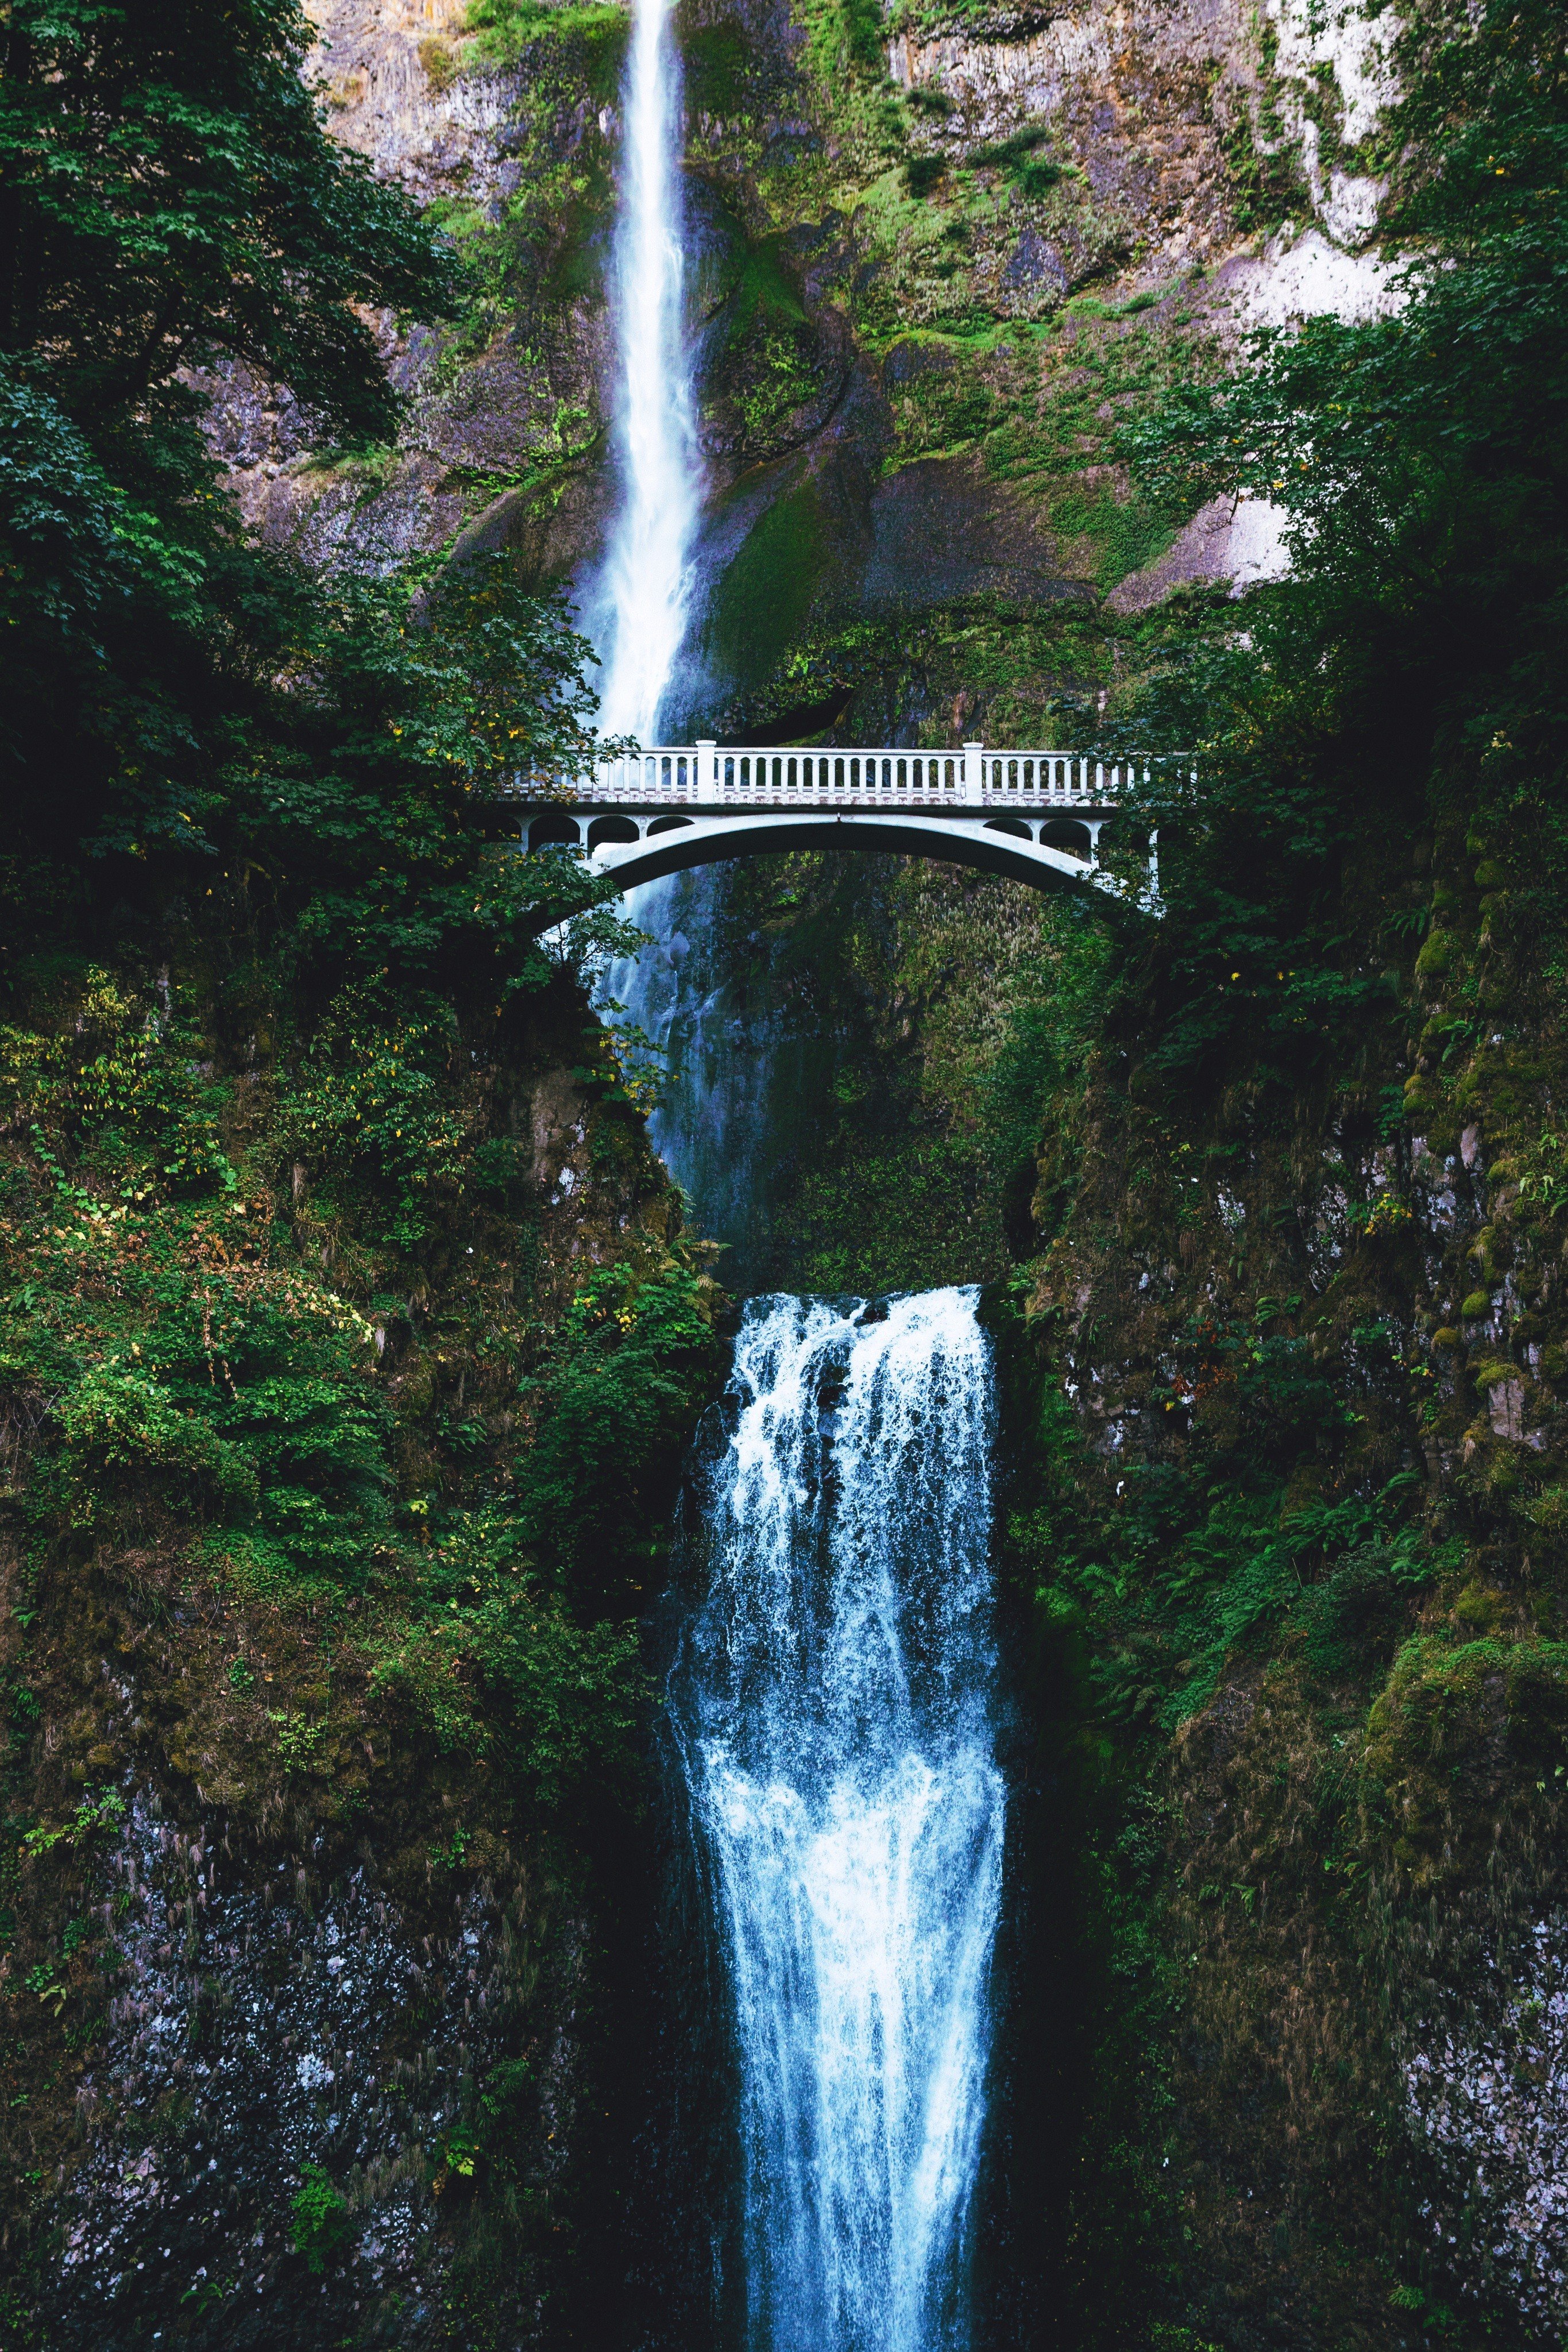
[(637, 607), (833, 1706)]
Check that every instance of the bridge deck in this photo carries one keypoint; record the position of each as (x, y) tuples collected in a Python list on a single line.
[(879, 776), (1033, 815)]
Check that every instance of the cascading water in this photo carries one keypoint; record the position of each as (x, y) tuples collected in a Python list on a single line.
[(832, 1697), (833, 1706), (638, 607)]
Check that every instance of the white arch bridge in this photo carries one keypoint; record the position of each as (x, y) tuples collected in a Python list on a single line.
[(1035, 815)]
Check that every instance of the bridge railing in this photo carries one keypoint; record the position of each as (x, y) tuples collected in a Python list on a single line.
[(709, 775)]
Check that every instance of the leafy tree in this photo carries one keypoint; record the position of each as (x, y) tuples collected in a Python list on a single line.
[(1419, 462), (182, 708)]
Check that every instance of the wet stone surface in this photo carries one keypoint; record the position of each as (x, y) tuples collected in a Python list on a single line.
[(265, 2023)]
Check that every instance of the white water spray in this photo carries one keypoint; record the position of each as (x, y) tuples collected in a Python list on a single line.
[(832, 1705), (642, 592)]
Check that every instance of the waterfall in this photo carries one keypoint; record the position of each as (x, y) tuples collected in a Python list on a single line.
[(639, 602), (832, 1708)]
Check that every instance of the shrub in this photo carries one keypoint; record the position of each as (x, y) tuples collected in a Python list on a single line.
[(1012, 154), (120, 1426), (1035, 178), (320, 2220)]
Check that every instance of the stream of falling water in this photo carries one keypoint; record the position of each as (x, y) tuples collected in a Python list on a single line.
[(833, 1711), (832, 1697), (638, 605)]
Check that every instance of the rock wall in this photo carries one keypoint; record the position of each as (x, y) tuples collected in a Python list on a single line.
[(905, 253)]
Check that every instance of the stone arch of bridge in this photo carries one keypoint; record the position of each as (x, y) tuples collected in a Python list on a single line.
[(1036, 817), (1049, 853), (678, 843)]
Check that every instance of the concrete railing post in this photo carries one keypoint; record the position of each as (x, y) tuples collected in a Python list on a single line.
[(706, 752), (973, 782)]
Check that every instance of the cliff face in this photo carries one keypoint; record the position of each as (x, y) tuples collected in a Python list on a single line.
[(324, 1896), (933, 263), (325, 1987)]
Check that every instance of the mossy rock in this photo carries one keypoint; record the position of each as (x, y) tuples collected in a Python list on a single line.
[(1489, 875), (591, 41), (1480, 1608), (1548, 1512), (721, 71), (1456, 1724), (773, 375), (1475, 1304), (784, 562), (1445, 1340), (1438, 956)]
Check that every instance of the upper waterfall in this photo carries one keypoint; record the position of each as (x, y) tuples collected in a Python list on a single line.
[(639, 602)]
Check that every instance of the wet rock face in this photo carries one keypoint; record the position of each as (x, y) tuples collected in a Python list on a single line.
[(1488, 2104), (274, 2037), (389, 72), (1111, 147)]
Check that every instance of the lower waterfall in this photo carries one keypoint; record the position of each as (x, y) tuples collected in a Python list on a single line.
[(833, 1702)]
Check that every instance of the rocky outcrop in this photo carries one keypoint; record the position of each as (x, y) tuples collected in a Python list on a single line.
[(279, 2118), (1204, 160)]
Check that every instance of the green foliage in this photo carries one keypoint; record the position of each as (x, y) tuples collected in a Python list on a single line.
[(1416, 460), (921, 173), (507, 1670), (1009, 154), (118, 1424), (860, 28), (209, 719), (504, 29), (320, 2217), (174, 199), (173, 203), (93, 1816), (631, 1356)]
